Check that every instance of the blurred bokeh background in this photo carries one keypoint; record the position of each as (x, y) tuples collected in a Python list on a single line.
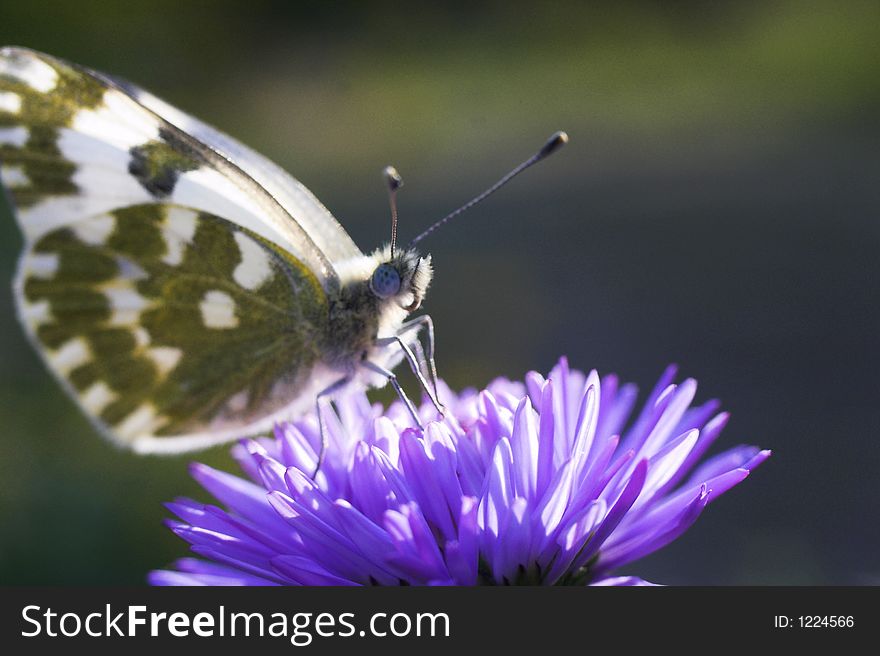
[(717, 207)]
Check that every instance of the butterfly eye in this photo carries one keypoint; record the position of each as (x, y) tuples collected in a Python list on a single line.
[(385, 281)]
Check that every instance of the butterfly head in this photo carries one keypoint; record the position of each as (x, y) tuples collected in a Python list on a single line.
[(401, 278)]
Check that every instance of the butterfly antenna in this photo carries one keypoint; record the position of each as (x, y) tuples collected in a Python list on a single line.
[(394, 182), (554, 143)]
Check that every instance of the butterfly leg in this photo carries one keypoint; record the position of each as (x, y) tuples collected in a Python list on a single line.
[(417, 325), (415, 365), (397, 388), (328, 391), (416, 346)]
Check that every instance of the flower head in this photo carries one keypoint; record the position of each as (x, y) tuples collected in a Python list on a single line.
[(546, 481)]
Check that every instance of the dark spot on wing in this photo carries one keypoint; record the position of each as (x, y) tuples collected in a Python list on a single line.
[(157, 165)]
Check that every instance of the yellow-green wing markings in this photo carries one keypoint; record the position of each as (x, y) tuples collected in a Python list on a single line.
[(167, 321), (36, 102)]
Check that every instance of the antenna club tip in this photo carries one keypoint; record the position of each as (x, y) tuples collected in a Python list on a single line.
[(554, 143), (392, 178)]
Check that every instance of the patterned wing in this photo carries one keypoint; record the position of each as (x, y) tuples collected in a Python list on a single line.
[(73, 144), (174, 329), (172, 295)]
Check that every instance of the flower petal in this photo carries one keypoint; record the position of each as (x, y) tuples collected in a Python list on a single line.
[(462, 555), (622, 581), (615, 514), (648, 542), (524, 446), (305, 571), (238, 494), (546, 435), (499, 489)]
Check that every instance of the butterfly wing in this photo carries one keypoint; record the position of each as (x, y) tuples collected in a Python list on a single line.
[(172, 295)]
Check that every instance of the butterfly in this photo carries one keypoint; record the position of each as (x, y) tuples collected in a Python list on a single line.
[(183, 289)]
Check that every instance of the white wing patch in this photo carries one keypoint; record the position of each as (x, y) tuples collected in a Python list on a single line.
[(117, 122), (96, 230), (16, 136), (178, 231), (42, 265), (71, 355), (14, 176), (218, 310), (36, 74), (210, 191), (143, 421), (10, 102), (255, 267), (129, 269), (126, 304), (141, 336), (35, 314), (165, 358), (97, 397)]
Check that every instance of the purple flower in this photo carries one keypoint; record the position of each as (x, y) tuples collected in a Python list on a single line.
[(543, 482)]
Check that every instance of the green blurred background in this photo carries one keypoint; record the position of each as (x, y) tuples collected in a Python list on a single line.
[(717, 207)]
